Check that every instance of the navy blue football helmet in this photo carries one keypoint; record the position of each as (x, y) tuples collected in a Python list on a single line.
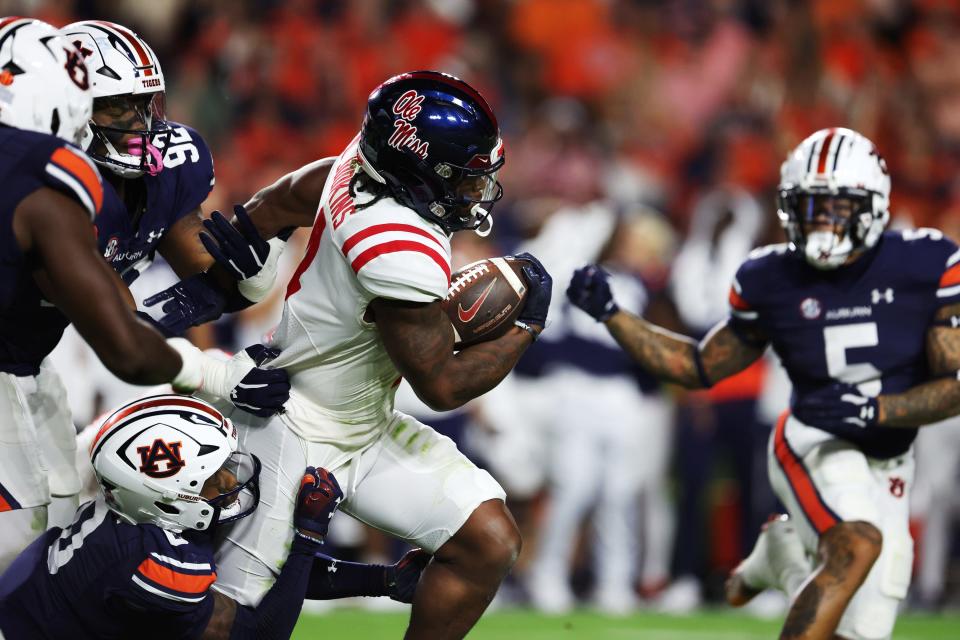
[(434, 142)]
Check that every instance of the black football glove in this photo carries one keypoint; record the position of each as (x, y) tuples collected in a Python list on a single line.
[(589, 290), (402, 578), (189, 303), (241, 250), (837, 406), (540, 286), (262, 392)]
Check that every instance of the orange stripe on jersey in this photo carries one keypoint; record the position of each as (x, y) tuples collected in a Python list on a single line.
[(814, 508), (174, 580), (4, 505), (397, 246), (71, 162), (950, 277), (737, 302)]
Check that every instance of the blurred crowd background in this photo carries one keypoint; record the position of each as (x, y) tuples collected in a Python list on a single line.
[(644, 134)]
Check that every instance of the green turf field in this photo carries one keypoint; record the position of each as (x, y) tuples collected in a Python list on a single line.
[(522, 625)]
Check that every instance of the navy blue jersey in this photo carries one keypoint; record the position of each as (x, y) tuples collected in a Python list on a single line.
[(865, 323), (129, 238), (30, 327), (105, 578)]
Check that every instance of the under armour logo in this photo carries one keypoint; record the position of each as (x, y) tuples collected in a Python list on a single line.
[(867, 412), (876, 296), (333, 567), (156, 235)]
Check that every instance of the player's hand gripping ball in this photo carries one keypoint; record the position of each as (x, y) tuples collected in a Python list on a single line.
[(485, 298)]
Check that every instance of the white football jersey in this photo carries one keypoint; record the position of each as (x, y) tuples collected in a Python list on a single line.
[(342, 380)]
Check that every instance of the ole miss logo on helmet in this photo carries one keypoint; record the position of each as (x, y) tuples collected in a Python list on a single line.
[(404, 133), (159, 452)]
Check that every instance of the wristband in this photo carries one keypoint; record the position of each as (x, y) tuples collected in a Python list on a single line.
[(256, 287), (190, 376), (529, 329), (701, 372)]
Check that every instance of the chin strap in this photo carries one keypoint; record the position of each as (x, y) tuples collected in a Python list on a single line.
[(154, 162), (486, 226)]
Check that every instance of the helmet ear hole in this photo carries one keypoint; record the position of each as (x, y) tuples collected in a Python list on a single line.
[(167, 508)]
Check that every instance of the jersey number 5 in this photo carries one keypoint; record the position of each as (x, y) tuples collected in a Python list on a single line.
[(837, 340)]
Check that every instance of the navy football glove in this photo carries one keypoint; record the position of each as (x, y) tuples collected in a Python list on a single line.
[(188, 303), (262, 392), (241, 250), (540, 286), (402, 577), (317, 500), (589, 290), (838, 406)]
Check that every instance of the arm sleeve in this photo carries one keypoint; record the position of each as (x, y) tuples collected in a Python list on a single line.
[(276, 615), (69, 171)]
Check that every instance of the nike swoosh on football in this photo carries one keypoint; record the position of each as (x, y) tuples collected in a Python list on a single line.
[(466, 315)]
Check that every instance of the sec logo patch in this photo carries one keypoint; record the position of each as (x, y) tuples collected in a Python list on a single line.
[(810, 308)]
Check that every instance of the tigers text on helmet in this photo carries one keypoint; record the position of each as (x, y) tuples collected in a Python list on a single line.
[(434, 142), (153, 456), (834, 196), (44, 84), (128, 85)]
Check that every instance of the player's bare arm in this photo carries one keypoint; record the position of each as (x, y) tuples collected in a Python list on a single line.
[(673, 357), (669, 356), (419, 339), (291, 201), (77, 280), (181, 246), (936, 400)]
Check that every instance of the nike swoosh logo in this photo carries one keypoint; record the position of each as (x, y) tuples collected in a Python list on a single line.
[(466, 315)]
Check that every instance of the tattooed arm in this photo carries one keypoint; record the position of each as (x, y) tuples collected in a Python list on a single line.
[(935, 400), (673, 357), (419, 339)]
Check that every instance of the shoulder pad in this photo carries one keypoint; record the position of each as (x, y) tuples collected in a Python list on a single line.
[(70, 171), (396, 253)]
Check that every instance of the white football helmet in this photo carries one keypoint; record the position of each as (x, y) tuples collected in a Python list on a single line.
[(44, 84), (831, 169), (124, 73), (152, 457)]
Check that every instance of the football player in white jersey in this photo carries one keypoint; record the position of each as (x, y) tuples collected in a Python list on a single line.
[(362, 310)]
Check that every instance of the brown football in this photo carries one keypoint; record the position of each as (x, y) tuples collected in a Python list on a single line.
[(484, 299)]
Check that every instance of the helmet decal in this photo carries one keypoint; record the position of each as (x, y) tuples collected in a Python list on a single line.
[(404, 134), (434, 142), (161, 451)]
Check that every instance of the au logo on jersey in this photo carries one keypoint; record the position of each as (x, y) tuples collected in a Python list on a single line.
[(161, 451)]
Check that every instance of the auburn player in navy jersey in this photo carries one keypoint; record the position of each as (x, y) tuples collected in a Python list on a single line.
[(52, 272), (138, 560), (156, 175), (864, 322)]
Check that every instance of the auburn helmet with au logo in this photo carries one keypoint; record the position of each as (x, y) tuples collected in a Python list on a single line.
[(434, 142), (44, 83), (153, 456)]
